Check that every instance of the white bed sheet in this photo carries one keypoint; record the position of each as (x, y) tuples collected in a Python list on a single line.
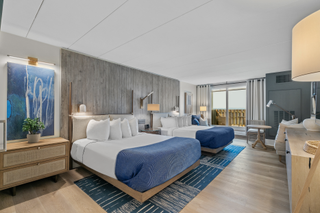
[(187, 131), (102, 156)]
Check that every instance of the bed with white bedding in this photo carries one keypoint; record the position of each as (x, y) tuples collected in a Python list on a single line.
[(140, 165), (212, 139)]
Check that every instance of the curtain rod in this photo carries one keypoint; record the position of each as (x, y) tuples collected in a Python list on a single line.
[(232, 82)]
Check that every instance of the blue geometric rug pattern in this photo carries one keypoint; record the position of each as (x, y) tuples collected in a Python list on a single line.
[(171, 199)]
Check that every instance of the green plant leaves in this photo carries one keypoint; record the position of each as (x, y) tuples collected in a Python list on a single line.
[(33, 126)]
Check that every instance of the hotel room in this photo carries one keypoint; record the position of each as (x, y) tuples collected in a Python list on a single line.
[(159, 106)]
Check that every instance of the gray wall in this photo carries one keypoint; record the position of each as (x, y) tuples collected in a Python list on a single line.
[(106, 88), (290, 95)]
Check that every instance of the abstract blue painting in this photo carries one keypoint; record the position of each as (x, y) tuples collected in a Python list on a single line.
[(30, 95)]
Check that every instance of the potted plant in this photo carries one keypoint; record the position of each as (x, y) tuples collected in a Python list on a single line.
[(32, 126)]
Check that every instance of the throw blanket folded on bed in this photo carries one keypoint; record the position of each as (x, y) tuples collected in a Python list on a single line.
[(143, 168), (215, 137)]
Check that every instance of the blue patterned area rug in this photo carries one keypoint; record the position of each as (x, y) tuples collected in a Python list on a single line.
[(171, 199)]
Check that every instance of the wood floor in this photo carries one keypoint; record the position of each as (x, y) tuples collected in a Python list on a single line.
[(255, 181)]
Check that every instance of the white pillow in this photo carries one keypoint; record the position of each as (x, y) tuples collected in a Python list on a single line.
[(282, 127), (203, 122), (180, 121), (98, 130), (125, 128), (294, 121), (189, 120), (115, 129), (134, 126), (184, 121), (168, 122)]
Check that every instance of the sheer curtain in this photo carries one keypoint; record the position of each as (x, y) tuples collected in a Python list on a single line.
[(204, 99), (256, 99)]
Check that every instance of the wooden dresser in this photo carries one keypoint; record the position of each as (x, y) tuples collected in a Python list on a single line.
[(25, 162), (298, 164)]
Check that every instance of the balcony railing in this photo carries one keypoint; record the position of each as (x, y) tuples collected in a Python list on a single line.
[(237, 117)]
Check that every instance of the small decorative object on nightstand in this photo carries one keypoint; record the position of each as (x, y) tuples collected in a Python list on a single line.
[(25, 162), (152, 131)]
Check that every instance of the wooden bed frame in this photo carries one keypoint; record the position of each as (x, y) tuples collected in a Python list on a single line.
[(215, 151), (140, 196)]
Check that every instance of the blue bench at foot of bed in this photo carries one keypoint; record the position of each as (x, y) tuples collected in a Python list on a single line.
[(215, 137)]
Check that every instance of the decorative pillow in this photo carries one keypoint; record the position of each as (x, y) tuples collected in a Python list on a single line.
[(180, 121), (294, 121), (195, 121), (115, 129), (185, 121), (134, 127), (168, 122), (197, 117), (189, 120), (203, 122), (282, 127), (125, 128), (98, 130)]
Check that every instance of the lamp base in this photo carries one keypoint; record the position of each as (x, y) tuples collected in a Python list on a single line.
[(312, 124)]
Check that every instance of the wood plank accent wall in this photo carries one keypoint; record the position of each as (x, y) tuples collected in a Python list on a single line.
[(106, 88)]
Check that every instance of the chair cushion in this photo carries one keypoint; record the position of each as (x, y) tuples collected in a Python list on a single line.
[(255, 130)]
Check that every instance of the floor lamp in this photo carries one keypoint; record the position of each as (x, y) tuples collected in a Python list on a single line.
[(306, 67)]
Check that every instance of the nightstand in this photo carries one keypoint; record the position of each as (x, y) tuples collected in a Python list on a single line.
[(25, 162), (152, 131)]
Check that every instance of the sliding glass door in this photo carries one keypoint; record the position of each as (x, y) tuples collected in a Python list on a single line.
[(229, 105)]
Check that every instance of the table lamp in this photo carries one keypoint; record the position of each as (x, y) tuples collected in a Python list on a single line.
[(152, 107), (306, 67), (203, 109)]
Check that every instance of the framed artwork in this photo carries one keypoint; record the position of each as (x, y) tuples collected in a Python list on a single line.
[(30, 95), (3, 143), (188, 96)]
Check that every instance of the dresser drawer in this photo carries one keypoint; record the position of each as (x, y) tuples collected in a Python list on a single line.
[(20, 157), (33, 172)]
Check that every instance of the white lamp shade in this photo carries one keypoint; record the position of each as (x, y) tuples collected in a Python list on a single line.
[(153, 107), (269, 103), (203, 108), (306, 49), (82, 108)]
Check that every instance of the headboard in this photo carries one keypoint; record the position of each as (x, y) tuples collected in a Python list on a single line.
[(79, 123), (156, 119)]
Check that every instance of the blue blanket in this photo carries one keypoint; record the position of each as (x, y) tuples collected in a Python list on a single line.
[(143, 168), (215, 137)]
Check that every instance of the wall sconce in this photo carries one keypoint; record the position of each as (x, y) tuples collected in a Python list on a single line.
[(31, 60), (141, 99)]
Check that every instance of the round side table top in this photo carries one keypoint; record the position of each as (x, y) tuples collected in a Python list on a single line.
[(259, 126)]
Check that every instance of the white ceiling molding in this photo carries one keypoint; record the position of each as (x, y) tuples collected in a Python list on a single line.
[(195, 41)]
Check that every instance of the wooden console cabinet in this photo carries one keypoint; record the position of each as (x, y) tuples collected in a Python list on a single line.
[(24, 162), (298, 165)]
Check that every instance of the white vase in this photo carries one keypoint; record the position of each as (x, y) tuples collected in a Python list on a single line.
[(312, 124), (33, 138)]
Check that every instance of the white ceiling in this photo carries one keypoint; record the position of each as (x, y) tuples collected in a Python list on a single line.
[(195, 41)]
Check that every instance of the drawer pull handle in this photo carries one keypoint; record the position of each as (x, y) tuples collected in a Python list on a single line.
[(288, 152), (38, 164), (39, 147)]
